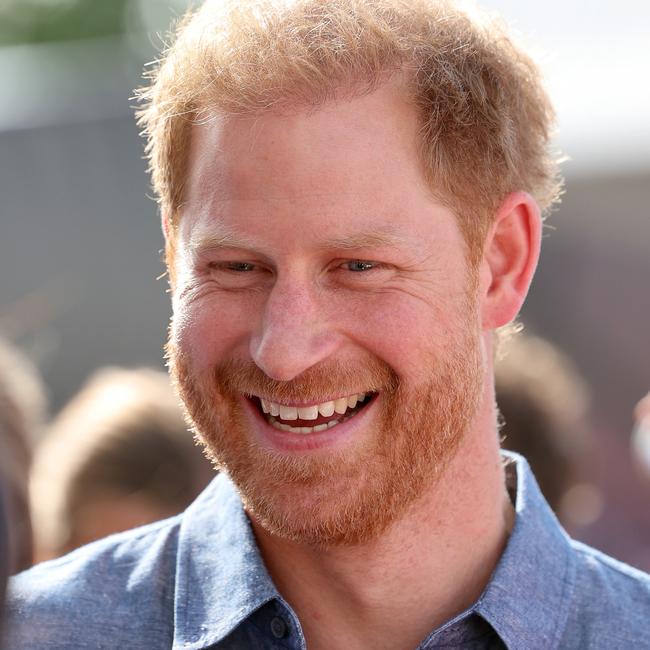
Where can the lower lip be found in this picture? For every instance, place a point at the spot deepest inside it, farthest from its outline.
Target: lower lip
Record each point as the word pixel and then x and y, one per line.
pixel 285 441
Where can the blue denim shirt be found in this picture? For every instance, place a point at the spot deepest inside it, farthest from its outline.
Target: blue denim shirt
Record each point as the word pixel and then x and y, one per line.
pixel 197 581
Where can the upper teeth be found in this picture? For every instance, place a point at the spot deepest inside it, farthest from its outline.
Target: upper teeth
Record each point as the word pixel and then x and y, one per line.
pixel 326 409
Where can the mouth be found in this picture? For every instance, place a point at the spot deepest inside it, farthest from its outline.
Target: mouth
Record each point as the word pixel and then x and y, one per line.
pixel 313 418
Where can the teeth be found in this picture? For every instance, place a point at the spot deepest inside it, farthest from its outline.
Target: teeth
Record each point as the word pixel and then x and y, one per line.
pixel 308 412
pixel 326 409
pixel 285 427
pixel 288 412
pixel 341 405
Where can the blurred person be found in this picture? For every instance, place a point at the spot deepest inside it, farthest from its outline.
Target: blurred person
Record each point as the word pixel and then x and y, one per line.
pixel 117 456
pixel 543 401
pixel 4 557
pixel 23 408
pixel 640 439
pixel 351 195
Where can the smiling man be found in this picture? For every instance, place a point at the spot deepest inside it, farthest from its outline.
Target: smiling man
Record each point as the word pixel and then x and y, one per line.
pixel 326 319
pixel 351 193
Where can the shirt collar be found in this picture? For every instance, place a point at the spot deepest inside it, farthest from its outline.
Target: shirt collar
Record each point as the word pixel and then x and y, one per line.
pixel 527 598
pixel 220 576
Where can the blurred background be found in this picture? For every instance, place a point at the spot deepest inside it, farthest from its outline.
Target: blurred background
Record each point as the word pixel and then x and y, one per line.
pixel 80 239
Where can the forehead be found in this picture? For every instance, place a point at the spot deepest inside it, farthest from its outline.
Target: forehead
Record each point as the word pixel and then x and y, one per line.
pixel 348 165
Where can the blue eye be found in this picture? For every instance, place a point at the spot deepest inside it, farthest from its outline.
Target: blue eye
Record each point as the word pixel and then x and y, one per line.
pixel 359 266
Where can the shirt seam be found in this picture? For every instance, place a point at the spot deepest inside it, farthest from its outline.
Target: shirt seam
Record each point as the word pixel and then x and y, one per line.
pixel 609 563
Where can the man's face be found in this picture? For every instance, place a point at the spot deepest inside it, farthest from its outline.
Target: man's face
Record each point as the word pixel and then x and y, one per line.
pixel 315 270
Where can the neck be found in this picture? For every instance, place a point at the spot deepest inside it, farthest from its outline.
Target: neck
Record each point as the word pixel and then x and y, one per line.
pixel 426 568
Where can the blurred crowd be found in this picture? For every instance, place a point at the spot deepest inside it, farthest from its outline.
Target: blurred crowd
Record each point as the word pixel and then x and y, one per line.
pixel 119 454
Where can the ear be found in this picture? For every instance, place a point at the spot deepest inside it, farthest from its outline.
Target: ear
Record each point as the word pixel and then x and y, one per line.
pixel 509 259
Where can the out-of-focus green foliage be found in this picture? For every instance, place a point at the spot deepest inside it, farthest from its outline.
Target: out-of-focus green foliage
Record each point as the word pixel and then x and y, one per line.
pixel 39 21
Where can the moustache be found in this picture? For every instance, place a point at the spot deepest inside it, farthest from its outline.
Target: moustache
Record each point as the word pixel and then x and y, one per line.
pixel 317 384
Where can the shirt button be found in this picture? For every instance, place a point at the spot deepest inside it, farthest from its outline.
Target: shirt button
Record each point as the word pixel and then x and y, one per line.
pixel 278 628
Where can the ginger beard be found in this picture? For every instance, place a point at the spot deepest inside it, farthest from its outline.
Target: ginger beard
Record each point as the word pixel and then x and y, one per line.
pixel 349 497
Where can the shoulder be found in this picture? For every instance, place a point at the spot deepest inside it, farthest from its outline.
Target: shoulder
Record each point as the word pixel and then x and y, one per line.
pixel 618 586
pixel 100 595
pixel 611 604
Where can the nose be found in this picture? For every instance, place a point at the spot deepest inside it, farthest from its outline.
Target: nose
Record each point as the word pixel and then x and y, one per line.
pixel 295 332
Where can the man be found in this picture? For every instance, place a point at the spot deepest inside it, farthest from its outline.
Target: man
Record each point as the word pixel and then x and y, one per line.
pixel 351 194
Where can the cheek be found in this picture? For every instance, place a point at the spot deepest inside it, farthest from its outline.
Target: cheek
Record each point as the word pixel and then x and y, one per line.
pixel 404 331
pixel 213 328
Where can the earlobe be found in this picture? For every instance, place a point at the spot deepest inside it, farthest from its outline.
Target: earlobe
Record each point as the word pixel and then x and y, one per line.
pixel 509 259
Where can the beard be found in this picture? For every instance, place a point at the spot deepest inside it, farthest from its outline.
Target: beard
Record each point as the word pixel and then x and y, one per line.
pixel 349 496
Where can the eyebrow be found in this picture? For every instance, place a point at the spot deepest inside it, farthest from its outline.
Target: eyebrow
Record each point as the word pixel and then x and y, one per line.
pixel 215 241
pixel 376 239
pixel 226 239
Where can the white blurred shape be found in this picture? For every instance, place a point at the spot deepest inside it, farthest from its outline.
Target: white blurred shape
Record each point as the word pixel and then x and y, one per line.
pixel 640 443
